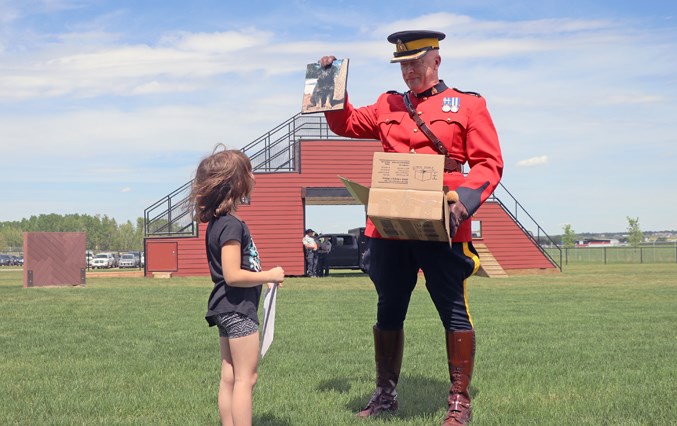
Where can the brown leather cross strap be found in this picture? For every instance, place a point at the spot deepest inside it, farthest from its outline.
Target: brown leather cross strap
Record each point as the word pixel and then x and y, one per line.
pixel 450 165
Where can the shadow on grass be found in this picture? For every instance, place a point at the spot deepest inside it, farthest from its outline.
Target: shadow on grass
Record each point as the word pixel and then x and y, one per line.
pixel 346 273
pixel 269 419
pixel 418 396
pixel 334 385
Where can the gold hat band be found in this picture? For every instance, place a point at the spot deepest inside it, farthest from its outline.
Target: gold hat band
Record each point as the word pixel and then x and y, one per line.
pixel 419 44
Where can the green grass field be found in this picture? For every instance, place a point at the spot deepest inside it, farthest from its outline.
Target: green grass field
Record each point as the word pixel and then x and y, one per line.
pixel 596 345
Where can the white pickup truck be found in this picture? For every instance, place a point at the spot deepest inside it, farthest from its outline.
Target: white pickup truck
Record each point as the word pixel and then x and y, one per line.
pixel 103 260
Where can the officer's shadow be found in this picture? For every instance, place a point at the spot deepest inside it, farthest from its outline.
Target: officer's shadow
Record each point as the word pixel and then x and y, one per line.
pixel 418 396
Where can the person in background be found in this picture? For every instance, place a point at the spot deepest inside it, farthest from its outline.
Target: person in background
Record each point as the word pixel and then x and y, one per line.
pixel 221 181
pixel 461 122
pixel 310 249
pixel 323 250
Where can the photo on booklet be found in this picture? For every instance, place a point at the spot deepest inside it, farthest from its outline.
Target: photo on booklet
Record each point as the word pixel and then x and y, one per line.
pixel 325 88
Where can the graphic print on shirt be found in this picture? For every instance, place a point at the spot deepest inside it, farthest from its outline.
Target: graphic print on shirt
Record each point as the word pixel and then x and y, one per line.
pixel 253 254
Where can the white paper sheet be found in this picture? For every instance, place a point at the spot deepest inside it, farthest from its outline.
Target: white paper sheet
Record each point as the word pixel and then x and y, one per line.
pixel 269 300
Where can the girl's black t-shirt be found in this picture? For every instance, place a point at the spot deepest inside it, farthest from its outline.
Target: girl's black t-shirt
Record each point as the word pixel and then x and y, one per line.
pixel 224 298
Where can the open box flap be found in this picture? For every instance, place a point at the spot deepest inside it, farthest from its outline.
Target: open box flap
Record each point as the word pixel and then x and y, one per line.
pixel 359 192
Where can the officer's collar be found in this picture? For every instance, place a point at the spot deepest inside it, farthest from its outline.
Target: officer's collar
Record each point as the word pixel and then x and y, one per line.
pixel 438 88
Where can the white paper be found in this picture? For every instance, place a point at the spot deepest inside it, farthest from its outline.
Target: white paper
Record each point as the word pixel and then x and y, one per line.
pixel 269 300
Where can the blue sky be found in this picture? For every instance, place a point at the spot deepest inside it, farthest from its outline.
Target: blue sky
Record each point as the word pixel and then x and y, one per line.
pixel 107 106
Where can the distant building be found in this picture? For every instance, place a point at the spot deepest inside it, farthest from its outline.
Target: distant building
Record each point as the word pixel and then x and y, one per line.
pixel 594 242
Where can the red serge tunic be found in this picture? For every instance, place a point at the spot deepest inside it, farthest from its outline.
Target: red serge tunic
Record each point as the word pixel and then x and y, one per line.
pixel 459 119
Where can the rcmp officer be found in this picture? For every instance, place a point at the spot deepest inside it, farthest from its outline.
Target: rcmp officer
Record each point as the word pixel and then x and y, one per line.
pixel 457 125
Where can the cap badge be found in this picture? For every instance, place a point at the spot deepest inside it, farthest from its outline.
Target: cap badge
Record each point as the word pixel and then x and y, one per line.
pixel 401 47
pixel 451 104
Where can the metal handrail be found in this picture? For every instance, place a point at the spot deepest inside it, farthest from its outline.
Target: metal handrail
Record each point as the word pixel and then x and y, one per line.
pixel 277 150
pixel 539 231
pixel 159 217
pixel 274 151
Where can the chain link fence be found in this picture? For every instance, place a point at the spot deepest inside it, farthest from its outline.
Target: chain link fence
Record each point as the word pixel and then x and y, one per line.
pixel 643 254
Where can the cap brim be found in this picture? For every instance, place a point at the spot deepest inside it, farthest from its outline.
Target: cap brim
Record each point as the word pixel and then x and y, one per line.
pixel 411 57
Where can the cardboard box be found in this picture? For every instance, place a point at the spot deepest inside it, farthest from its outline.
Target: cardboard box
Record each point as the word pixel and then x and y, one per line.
pixel 406 200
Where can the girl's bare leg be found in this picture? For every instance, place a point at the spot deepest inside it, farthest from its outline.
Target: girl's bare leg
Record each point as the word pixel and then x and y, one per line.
pixel 244 352
pixel 226 384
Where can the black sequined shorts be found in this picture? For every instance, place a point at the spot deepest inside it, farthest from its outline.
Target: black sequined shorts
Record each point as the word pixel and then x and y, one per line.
pixel 233 325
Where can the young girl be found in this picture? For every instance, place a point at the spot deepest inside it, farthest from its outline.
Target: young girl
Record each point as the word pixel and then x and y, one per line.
pixel 222 180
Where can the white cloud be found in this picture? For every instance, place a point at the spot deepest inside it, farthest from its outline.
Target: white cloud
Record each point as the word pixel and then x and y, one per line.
pixel 182 62
pixel 533 161
pixel 218 42
pixel 631 99
pixel 95 63
pixel 98 105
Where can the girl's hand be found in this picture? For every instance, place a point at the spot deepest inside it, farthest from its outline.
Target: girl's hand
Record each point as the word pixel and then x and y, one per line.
pixel 277 275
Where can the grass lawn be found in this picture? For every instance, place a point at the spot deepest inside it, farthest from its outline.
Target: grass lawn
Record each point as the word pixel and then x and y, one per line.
pixel 596 345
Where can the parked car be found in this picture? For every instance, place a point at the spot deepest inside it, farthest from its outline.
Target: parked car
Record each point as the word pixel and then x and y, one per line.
pixel 5 260
pixel 103 260
pixel 346 250
pixel 129 260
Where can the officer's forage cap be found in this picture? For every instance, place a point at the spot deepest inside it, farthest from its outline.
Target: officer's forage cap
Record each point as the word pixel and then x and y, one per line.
pixel 411 45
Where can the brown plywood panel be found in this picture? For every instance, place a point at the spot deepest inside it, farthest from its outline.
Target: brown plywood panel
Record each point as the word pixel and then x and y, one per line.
pixel 54 258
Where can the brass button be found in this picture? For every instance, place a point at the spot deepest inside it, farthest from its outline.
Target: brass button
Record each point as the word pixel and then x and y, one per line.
pixel 420 112
pixel 415 130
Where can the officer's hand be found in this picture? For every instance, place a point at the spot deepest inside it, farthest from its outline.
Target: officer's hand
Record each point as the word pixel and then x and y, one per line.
pixel 457 213
pixel 326 61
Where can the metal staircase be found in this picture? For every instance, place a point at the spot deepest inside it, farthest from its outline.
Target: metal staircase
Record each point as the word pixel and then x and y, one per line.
pixel 527 224
pixel 274 152
pixel 489 266
pixel 278 151
pixel 170 216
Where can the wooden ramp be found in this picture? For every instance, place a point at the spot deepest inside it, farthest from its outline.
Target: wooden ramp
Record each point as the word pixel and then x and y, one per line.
pixel 489 267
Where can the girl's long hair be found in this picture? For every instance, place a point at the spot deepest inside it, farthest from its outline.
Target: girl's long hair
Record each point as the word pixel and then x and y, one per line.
pixel 222 180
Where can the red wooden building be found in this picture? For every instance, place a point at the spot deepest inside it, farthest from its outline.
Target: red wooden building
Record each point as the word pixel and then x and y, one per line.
pixel 298 164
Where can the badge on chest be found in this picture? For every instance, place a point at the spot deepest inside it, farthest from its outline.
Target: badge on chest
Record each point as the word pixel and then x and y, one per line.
pixel 451 104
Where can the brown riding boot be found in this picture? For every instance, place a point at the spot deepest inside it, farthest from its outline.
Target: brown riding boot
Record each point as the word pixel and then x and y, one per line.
pixel 388 348
pixel 461 357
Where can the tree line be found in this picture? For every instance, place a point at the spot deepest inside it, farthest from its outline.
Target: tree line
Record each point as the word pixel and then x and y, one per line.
pixel 635 234
pixel 103 233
